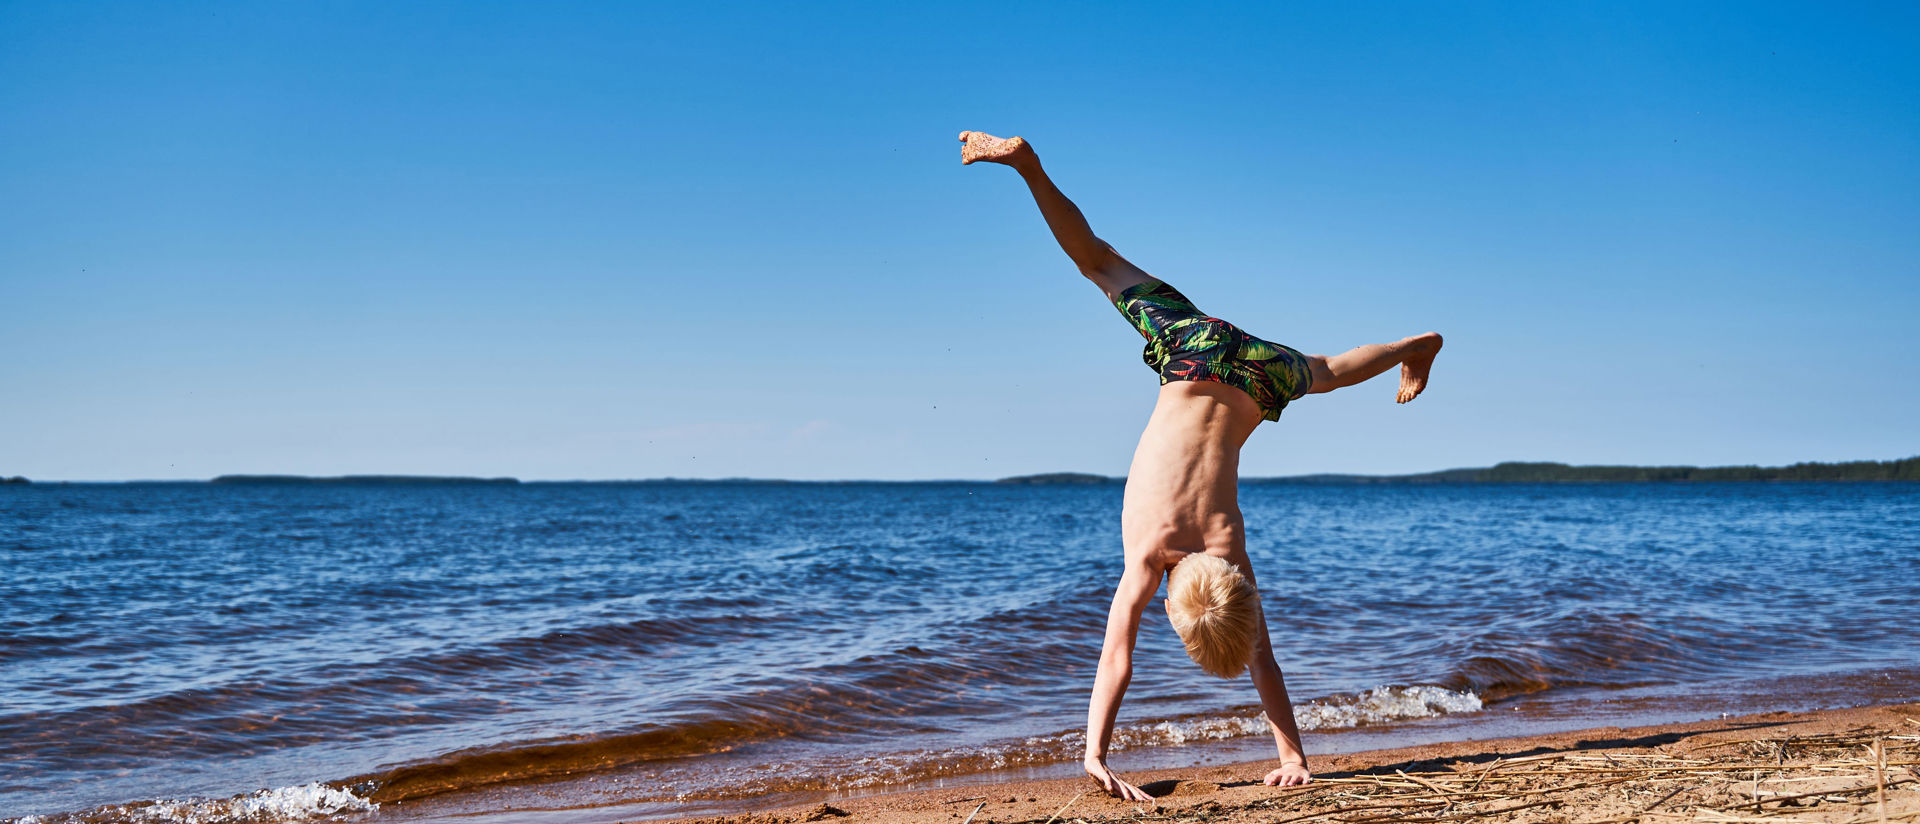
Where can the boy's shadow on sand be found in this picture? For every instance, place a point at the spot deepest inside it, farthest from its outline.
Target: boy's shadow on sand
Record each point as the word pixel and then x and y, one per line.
pixel 1159 789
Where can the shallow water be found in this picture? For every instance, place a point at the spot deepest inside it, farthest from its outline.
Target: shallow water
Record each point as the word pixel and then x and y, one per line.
pixel 689 646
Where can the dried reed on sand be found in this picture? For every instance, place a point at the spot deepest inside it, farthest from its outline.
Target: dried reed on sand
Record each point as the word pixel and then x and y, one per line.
pixel 1860 776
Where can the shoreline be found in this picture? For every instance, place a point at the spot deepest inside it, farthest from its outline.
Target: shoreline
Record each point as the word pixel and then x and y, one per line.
pixel 1817 765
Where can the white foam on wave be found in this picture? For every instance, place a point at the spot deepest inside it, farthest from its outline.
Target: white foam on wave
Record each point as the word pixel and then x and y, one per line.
pixel 1192 729
pixel 308 802
pixel 1382 705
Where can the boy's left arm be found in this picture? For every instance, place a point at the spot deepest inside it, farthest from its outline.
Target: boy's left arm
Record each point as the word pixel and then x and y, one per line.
pixel 1272 685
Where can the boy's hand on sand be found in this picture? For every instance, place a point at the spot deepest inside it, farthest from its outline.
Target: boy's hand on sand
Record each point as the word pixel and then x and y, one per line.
pixel 1109 781
pixel 1289 775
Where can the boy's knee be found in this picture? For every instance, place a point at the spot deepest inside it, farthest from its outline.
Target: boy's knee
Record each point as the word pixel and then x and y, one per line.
pixel 1111 272
pixel 1095 263
pixel 1323 377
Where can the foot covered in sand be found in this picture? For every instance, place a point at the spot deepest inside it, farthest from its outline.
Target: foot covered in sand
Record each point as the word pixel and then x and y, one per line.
pixel 983 146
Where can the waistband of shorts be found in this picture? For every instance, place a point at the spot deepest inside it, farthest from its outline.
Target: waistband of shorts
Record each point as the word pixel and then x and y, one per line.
pixel 1245 378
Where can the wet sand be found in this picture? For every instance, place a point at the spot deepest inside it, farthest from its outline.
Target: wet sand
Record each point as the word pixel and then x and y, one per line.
pixel 1823 766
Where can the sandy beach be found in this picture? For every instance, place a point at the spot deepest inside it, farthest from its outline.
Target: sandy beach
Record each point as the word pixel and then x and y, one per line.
pixel 1840 765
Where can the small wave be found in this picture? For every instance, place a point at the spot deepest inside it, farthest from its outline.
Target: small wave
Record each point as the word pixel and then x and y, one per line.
pixel 665 746
pixel 308 802
pixel 1189 730
pixel 1585 648
pixel 220 719
pixel 1382 705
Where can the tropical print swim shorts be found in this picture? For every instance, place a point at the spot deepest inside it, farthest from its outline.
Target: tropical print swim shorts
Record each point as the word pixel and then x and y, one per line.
pixel 1184 344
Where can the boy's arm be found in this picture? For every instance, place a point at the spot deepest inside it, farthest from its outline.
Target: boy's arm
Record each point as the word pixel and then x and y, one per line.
pixel 1137 586
pixel 1272 685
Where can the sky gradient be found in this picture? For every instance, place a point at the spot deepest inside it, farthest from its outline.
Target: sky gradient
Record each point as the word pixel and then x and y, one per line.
pixel 594 241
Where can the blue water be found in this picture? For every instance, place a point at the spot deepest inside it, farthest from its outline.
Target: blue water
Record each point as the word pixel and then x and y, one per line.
pixel 165 641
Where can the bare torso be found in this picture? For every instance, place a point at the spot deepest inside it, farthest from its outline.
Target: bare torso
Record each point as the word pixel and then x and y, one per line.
pixel 1182 489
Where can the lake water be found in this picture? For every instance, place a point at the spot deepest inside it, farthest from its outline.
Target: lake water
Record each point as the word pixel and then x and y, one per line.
pixel 174 652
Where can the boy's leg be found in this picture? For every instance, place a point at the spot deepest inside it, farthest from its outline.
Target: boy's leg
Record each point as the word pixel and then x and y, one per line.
pixel 1414 356
pixel 1097 260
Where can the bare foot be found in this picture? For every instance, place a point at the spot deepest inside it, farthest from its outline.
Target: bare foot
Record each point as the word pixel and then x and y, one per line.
pixel 983 146
pixel 1413 370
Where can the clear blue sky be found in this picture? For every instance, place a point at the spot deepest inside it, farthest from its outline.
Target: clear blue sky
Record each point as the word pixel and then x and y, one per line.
pixel 619 240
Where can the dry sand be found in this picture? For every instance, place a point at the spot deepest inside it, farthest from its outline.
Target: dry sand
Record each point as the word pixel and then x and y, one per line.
pixel 1822 766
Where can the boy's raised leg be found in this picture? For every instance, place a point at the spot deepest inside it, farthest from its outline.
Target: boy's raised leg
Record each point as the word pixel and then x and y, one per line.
pixel 1094 257
pixel 1414 355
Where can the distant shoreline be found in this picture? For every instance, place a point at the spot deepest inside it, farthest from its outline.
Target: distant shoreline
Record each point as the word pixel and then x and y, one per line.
pixel 1905 469
pixel 359 479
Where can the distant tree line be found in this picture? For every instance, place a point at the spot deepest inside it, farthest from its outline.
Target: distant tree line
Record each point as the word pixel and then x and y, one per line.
pixel 1907 469
pixel 1537 472
pixel 385 480
pixel 1059 478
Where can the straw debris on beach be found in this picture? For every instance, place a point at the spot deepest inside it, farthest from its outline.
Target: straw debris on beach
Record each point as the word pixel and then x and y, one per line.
pixel 1835 767
pixel 1835 777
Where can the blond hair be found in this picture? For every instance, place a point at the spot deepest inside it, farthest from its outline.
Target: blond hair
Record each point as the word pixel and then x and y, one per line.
pixel 1216 610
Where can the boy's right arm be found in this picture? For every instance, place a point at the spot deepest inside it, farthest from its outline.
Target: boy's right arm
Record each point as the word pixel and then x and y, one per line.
pixel 1130 598
pixel 1272 686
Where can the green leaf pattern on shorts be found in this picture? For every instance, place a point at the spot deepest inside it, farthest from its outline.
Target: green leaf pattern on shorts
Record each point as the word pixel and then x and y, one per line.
pixel 1184 343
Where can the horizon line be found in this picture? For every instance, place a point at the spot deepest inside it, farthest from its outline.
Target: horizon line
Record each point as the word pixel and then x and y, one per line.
pixel 428 478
